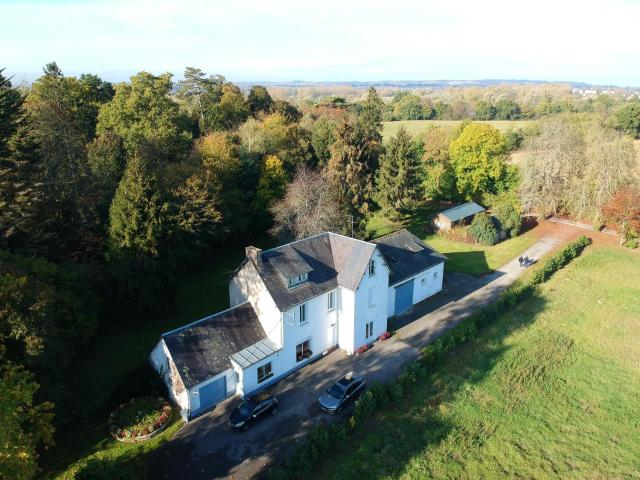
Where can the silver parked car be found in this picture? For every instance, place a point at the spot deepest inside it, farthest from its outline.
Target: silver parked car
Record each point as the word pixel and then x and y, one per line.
pixel 341 393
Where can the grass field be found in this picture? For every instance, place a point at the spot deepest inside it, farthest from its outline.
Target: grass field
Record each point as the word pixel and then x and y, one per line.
pixel 550 390
pixel 465 258
pixel 416 127
pixel 115 364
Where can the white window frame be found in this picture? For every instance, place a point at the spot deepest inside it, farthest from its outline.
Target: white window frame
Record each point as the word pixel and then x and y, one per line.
pixel 423 281
pixel 372 296
pixel 303 314
pixel 297 280
pixel 372 268
pixel 435 275
pixel 368 329
pixel 265 375
pixel 331 301
pixel 301 344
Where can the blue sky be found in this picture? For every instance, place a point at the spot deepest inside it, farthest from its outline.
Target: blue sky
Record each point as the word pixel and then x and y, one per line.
pixel 332 40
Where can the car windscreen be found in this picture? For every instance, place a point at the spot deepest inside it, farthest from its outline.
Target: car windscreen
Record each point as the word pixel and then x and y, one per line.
pixel 246 408
pixel 336 391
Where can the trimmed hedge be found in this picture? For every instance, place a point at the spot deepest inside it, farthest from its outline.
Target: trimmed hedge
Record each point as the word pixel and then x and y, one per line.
pixel 326 438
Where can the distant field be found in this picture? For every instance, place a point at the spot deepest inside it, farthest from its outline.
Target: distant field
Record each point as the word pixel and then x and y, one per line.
pixel 549 390
pixel 416 127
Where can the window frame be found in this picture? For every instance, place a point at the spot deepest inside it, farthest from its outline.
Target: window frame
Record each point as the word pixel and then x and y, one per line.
pixel 372 268
pixel 368 330
pixel 265 375
pixel 303 351
pixel 331 301
pixel 303 314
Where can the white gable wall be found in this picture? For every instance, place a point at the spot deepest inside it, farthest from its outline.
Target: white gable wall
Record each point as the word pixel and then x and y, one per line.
pixel 246 285
pixel 162 363
pixel 346 315
pixel 375 312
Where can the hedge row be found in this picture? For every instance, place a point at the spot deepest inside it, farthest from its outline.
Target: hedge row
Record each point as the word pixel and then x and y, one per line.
pixel 327 438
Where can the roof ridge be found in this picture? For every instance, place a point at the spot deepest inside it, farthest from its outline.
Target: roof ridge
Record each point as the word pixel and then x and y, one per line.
pixel 461 205
pixel 389 234
pixel 296 241
pixel 209 317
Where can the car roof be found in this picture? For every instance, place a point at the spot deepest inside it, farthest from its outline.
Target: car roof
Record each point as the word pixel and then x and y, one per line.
pixel 347 380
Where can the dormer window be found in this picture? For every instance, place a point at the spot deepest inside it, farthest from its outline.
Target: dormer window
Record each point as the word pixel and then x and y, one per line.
pixel 372 267
pixel 297 280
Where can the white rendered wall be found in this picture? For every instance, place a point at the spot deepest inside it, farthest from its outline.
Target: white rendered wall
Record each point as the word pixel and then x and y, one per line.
pixel 248 378
pixel 433 283
pixel 376 313
pixel 346 309
pixel 246 285
pixel 316 329
pixel 161 361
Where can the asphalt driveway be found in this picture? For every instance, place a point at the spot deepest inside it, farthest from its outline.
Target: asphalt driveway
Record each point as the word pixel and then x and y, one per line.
pixel 206 449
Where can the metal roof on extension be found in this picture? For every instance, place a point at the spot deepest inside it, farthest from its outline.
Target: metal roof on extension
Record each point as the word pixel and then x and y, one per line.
pixel 254 353
pixel 462 211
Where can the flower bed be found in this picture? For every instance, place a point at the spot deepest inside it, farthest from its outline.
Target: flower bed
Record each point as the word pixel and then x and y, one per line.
pixel 384 336
pixel 363 349
pixel 139 419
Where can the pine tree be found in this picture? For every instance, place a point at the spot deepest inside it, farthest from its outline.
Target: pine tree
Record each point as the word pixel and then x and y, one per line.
pixel 20 189
pixel 400 176
pixel 136 217
pixel 137 227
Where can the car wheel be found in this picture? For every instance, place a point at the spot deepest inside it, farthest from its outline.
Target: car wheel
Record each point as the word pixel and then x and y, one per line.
pixel 274 410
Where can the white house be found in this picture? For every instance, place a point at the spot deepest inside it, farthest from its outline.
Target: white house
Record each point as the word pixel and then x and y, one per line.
pixel 289 306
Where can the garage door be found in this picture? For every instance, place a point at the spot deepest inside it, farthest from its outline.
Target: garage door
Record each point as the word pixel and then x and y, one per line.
pixel 213 392
pixel 404 297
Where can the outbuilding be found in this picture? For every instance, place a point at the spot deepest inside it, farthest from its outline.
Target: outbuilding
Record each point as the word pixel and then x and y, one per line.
pixel 195 361
pixel 456 216
pixel 416 270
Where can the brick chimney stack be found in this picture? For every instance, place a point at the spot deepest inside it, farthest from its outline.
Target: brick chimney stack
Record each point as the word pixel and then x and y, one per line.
pixel 253 253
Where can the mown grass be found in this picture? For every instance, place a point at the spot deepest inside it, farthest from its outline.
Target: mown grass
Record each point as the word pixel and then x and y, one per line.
pixel 462 257
pixel 417 127
pixel 549 390
pixel 115 367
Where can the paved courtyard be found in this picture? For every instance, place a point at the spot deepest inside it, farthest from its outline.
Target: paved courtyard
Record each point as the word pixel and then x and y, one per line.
pixel 206 449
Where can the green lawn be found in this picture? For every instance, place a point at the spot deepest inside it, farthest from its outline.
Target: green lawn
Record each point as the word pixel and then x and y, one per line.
pixel 550 390
pixel 463 257
pixel 416 127
pixel 115 365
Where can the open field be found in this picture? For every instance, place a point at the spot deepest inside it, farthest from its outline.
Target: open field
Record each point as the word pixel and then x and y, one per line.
pixel 416 127
pixel 115 367
pixel 549 390
pixel 463 257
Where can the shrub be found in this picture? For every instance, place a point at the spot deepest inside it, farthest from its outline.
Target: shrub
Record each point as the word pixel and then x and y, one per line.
pixel 396 391
pixel 559 260
pixel 483 230
pixel 365 405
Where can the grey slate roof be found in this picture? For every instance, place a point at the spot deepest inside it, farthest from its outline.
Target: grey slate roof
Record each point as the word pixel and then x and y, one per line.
pixel 462 211
pixel 254 353
pixel 202 349
pixel 406 255
pixel 334 260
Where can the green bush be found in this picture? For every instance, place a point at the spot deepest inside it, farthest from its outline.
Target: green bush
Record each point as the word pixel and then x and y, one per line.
pixel 396 391
pixel 483 230
pixel 559 260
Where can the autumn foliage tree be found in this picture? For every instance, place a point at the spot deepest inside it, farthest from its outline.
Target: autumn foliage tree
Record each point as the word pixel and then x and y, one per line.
pixel 623 210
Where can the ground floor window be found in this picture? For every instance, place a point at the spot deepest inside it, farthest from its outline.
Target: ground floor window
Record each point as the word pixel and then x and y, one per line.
pixel 303 350
pixel 369 330
pixel 264 372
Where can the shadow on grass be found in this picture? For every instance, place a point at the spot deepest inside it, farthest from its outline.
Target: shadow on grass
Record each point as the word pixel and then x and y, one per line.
pixel 473 262
pixel 385 446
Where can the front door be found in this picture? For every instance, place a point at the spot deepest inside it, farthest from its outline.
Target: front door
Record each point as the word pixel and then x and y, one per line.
pixel 404 297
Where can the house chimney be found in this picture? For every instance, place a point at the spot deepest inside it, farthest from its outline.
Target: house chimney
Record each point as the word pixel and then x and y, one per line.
pixel 253 253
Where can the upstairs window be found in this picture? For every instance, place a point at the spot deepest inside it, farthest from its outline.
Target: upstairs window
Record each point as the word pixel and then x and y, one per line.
pixel 302 311
pixel 372 267
pixel 331 301
pixel 297 280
